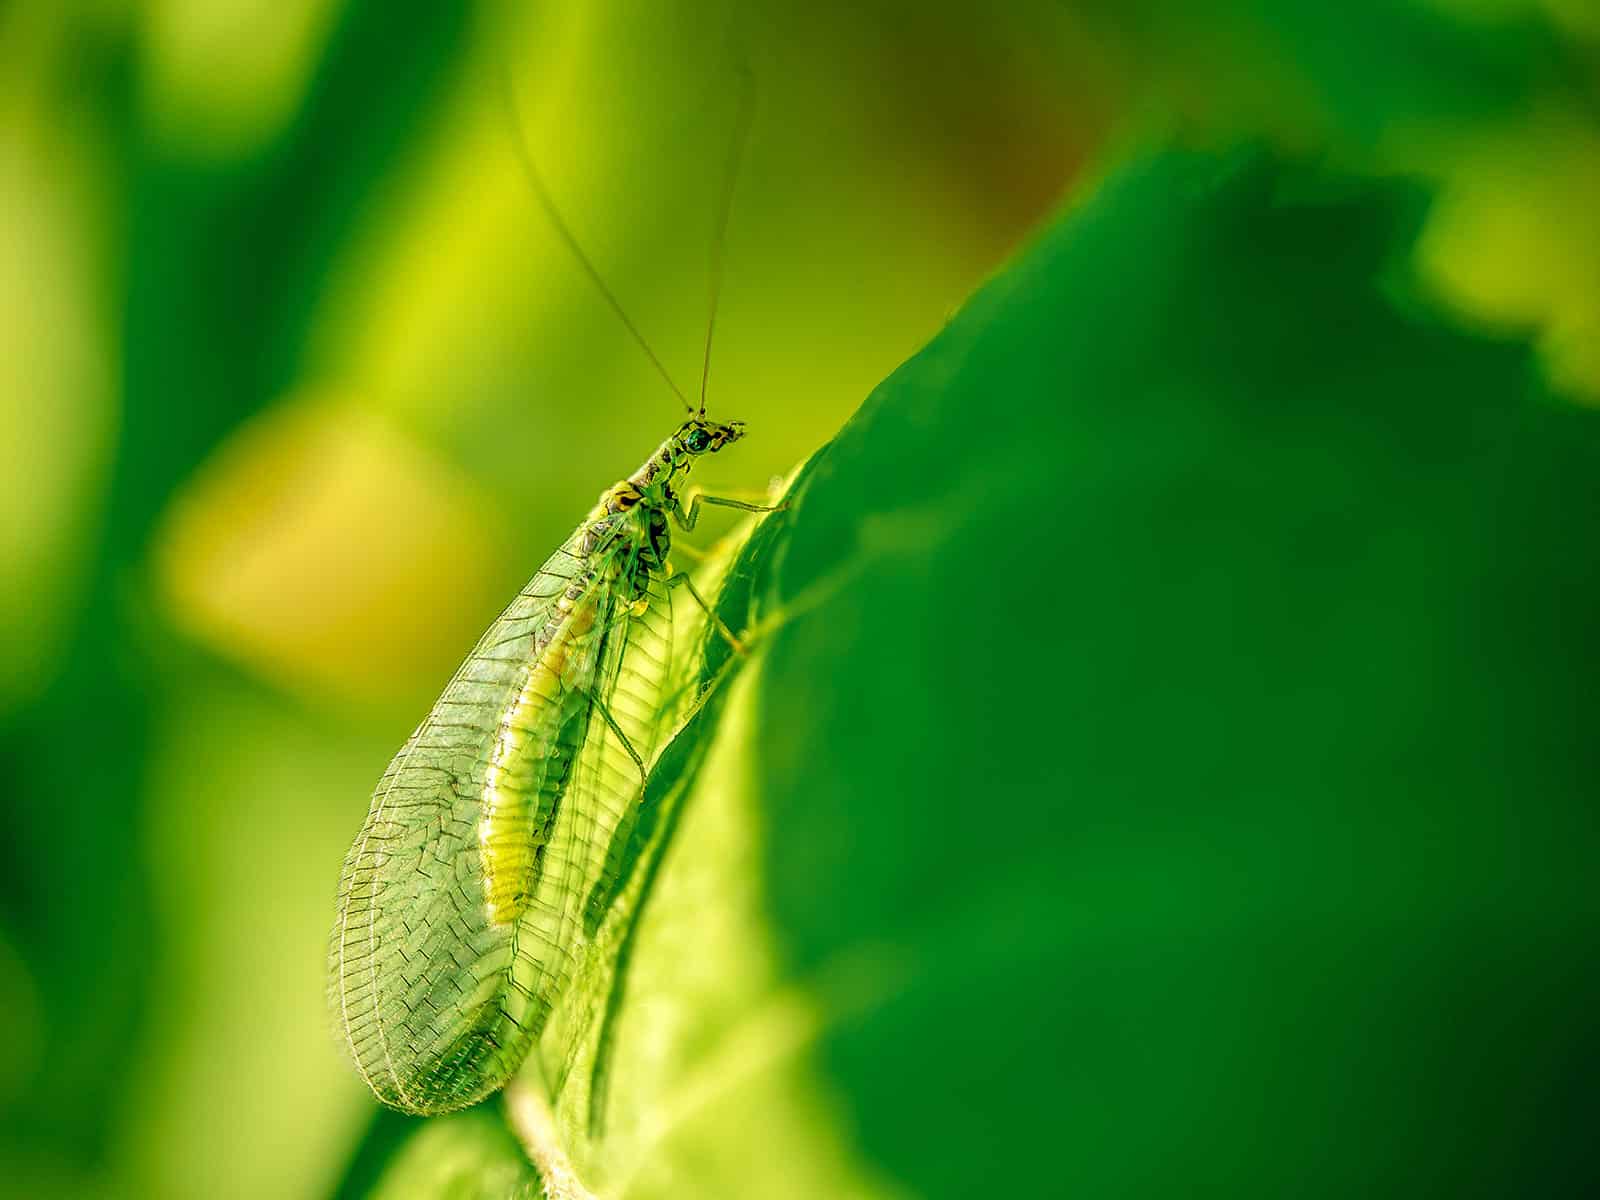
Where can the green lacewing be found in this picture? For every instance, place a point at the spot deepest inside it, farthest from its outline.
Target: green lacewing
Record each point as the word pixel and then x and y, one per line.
pixel 461 901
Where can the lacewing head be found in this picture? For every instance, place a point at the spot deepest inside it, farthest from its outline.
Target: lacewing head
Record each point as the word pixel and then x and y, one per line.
pixel 698 436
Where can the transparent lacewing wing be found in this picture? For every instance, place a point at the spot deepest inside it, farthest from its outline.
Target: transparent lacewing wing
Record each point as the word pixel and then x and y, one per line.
pixel 461 902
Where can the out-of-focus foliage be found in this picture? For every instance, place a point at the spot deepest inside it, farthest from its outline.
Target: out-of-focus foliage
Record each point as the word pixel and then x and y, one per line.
pixel 1179 775
pixel 465 1156
pixel 1193 746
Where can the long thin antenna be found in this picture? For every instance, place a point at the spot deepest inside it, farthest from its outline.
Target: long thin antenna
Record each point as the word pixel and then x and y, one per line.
pixel 547 202
pixel 730 179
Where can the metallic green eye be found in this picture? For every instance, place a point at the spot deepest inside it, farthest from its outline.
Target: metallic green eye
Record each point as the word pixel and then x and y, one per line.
pixel 697 441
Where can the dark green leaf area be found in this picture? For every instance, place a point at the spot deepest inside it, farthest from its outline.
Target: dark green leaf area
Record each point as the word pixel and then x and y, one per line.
pixel 1181 785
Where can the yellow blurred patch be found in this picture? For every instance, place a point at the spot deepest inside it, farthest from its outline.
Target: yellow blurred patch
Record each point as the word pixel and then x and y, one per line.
pixel 332 555
pixel 58 356
pixel 223 76
pixel 434 294
pixel 1514 240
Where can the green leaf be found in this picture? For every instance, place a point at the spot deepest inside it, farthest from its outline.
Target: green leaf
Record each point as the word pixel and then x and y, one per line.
pixel 465 1156
pixel 1164 768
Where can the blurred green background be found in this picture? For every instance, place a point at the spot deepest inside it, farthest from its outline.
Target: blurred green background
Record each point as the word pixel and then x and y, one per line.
pixel 296 387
